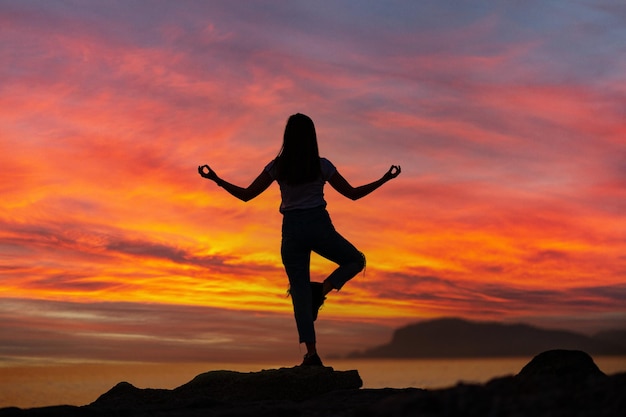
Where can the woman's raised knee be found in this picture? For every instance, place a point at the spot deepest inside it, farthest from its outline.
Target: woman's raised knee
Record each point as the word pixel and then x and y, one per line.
pixel 362 261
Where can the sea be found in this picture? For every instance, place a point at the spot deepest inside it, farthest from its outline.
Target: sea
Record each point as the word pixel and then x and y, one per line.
pixel 29 386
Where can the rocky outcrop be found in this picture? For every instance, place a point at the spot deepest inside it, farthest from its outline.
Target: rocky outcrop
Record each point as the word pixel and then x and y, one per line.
pixel 216 387
pixel 555 383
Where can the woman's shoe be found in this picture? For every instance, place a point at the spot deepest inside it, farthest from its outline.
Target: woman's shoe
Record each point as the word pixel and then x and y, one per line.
pixel 312 360
pixel 317 297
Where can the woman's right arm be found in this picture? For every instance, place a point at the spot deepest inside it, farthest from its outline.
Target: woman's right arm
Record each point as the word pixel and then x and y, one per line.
pixel 343 187
pixel 260 184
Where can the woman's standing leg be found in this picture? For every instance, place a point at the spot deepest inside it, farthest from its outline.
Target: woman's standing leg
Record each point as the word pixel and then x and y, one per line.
pixel 296 256
pixel 296 260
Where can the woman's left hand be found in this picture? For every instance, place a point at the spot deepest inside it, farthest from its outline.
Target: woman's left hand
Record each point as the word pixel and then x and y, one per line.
pixel 206 172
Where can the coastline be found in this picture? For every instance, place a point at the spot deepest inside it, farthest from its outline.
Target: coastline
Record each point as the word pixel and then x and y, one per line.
pixel 565 378
pixel 45 384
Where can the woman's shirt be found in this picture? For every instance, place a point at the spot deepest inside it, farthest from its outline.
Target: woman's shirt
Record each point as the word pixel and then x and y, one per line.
pixel 303 196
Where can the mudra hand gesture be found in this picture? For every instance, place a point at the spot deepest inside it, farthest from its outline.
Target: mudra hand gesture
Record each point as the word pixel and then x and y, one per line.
pixel 393 172
pixel 206 172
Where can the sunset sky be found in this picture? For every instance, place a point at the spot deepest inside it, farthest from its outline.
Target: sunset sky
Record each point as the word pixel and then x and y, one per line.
pixel 508 119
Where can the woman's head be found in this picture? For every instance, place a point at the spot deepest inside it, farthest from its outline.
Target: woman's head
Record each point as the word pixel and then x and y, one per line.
pixel 298 160
pixel 300 136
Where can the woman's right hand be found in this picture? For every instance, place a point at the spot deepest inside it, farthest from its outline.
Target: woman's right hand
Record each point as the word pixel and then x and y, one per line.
pixel 393 172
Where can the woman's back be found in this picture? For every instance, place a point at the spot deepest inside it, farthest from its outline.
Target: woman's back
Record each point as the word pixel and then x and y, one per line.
pixel 305 195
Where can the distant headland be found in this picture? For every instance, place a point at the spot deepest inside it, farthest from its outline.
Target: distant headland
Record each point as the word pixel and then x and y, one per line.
pixel 458 338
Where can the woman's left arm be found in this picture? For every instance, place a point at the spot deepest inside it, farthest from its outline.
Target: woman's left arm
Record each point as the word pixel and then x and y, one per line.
pixel 260 184
pixel 343 187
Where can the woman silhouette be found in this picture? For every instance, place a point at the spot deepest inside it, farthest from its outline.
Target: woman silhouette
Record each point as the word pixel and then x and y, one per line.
pixel 301 175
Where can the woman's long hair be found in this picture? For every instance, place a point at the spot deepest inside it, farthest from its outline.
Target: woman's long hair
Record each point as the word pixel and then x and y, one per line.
pixel 298 161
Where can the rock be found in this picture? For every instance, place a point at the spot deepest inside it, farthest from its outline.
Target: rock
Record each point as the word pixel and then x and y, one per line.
pixel 296 383
pixel 216 387
pixel 125 396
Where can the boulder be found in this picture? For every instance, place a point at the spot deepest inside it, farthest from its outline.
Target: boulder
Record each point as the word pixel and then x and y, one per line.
pixel 561 364
pixel 559 383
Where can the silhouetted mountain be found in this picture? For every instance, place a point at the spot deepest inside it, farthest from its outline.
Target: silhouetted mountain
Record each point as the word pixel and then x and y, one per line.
pixel 617 337
pixel 452 337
